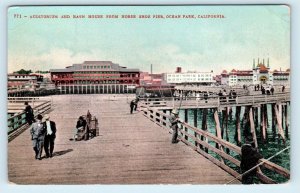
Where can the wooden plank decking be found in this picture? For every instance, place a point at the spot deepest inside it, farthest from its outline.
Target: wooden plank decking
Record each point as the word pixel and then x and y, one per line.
pixel 130 150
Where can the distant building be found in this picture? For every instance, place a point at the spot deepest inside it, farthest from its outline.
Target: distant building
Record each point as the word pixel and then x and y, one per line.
pixel 23 81
pixel 189 77
pixel 224 78
pixel 218 79
pixel 260 74
pixel 281 77
pixel 152 79
pixel 95 77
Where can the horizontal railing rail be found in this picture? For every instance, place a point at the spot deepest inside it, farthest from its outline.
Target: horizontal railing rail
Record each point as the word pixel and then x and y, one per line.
pixel 22 99
pixel 217 101
pixel 19 119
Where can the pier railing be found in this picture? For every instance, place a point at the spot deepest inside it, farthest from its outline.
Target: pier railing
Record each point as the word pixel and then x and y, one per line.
pixel 18 121
pixel 221 152
pixel 215 101
pixel 240 89
pixel 197 88
pixel 22 99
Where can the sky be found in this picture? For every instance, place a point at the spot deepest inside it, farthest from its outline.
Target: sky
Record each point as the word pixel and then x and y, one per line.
pixel 195 44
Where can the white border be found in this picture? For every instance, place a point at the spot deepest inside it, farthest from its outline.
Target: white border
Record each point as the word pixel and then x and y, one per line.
pixel 290 187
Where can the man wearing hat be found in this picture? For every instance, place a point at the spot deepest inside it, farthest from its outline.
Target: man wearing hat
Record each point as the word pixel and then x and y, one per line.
pixel 37 132
pixel 50 128
pixel 174 124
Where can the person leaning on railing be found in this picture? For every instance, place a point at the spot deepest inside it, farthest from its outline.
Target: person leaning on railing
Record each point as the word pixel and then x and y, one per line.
pixel 29 116
pixel 174 120
pixel 249 159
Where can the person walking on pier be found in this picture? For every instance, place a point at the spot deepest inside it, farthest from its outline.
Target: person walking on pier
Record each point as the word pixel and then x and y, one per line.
pixel 136 103
pixel 174 120
pixel 272 90
pixel 283 88
pixel 225 98
pixel 132 104
pixel 234 94
pixel 249 159
pixel 263 91
pixel 50 128
pixel 29 113
pixel 220 94
pixel 205 96
pixel 37 132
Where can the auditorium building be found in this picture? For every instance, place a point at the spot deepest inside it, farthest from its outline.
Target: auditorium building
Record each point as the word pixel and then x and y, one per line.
pixel 95 77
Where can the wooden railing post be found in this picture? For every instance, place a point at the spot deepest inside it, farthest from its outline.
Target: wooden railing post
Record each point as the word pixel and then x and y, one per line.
pixel 218 129
pixel 195 125
pixel 186 121
pixel 253 132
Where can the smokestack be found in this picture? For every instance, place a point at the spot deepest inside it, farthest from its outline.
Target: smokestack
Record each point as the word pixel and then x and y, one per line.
pixel 151 69
pixel 178 70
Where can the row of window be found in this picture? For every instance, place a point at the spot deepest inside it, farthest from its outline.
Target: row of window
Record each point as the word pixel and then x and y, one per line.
pixel 280 78
pixel 29 77
pixel 245 77
pixel 95 77
pixel 97 67
pixel 245 80
pixel 188 79
pixel 95 72
pixel 100 82
pixel 189 75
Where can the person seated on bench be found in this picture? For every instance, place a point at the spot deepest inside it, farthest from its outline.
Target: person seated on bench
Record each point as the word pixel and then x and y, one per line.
pixel 80 126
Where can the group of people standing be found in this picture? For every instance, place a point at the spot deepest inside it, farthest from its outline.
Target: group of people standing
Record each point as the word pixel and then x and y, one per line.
pixel 267 91
pixel 223 95
pixel 43 133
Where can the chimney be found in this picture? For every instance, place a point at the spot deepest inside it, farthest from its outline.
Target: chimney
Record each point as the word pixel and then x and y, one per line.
pixel 178 70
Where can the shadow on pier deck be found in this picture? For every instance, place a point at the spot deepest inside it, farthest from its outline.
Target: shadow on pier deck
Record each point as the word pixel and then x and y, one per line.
pixel 130 150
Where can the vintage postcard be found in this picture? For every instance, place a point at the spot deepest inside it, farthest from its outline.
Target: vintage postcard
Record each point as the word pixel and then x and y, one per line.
pixel 195 94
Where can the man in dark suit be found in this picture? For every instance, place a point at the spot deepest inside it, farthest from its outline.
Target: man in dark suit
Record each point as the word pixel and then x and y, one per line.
pixel 50 128
pixel 29 113
pixel 37 132
pixel 249 159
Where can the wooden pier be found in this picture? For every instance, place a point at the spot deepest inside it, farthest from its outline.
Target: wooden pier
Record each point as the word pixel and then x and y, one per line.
pixel 208 144
pixel 131 149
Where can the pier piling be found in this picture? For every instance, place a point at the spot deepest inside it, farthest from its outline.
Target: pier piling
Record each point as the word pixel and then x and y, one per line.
pixel 238 126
